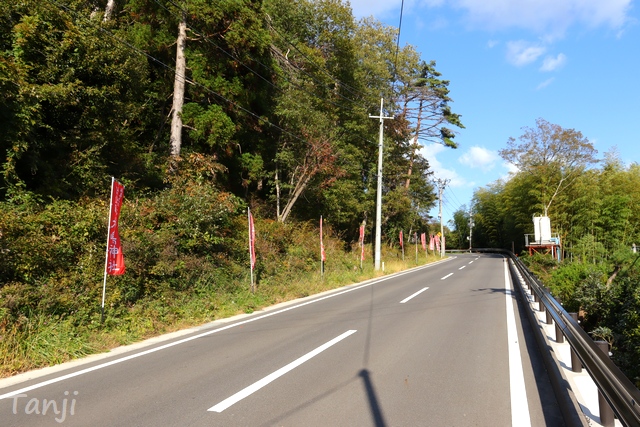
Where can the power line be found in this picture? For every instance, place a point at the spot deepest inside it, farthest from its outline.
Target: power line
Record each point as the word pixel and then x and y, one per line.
pixel 321 68
pixel 395 65
pixel 201 34
pixel 266 67
pixel 235 58
pixel 232 103
pixel 168 67
pixel 457 201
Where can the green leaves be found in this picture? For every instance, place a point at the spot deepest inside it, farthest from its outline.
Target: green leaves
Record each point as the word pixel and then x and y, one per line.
pixel 210 125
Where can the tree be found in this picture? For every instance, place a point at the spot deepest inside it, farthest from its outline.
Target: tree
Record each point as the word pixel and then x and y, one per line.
pixel 310 158
pixel 489 219
pixel 307 104
pixel 460 224
pixel 424 101
pixel 76 105
pixel 555 156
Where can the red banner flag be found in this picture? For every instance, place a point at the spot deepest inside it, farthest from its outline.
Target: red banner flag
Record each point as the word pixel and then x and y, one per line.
pixel 115 258
pixel 252 241
pixel 431 244
pixel 362 243
pixel 437 239
pixel 322 254
pixel 401 240
pixel 423 238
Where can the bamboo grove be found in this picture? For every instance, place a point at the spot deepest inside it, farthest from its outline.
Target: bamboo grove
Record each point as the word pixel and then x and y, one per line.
pixel 594 207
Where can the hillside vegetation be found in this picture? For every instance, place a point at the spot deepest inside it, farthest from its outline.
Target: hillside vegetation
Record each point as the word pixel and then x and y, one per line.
pixel 202 110
pixel 187 263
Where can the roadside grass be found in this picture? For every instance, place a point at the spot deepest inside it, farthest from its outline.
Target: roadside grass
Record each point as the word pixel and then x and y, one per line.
pixel 186 262
pixel 44 340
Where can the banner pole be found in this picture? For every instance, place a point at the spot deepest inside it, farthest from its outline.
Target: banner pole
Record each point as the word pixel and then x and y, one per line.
pixel 321 252
pixel 362 229
pixel 106 256
pixel 250 248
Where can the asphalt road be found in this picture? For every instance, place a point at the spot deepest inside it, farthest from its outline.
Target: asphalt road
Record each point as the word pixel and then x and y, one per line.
pixel 434 346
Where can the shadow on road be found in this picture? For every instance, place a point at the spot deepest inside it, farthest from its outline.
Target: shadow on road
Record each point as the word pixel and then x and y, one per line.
pixel 376 411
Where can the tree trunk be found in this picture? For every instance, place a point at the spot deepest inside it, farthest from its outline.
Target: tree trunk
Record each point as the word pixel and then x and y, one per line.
pixel 414 147
pixel 178 90
pixel 301 185
pixel 611 278
pixel 109 10
pixel 411 159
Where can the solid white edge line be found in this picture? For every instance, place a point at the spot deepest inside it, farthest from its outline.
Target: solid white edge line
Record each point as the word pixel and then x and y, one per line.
pixel 447 276
pixel 204 334
pixel 519 405
pixel 247 391
pixel 413 295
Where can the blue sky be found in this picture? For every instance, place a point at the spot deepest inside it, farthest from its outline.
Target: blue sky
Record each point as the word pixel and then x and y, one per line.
pixel 575 63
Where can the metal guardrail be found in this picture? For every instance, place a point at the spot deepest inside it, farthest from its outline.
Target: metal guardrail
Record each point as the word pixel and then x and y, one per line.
pixel 621 394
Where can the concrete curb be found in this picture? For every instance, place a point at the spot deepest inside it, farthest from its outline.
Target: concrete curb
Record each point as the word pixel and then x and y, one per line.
pixel 569 406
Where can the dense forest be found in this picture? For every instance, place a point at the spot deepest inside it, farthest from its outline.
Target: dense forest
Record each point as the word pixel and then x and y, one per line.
pixel 594 208
pixel 202 110
pixel 275 97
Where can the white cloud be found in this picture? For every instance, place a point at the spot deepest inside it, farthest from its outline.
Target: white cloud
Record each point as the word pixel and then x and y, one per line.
pixel 430 152
pixel 510 167
pixel 553 63
pixel 492 43
pixel 520 53
pixel 480 158
pixel 511 171
pixel 545 16
pixel 545 83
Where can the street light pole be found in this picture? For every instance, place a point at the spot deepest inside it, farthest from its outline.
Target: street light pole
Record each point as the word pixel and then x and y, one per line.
pixel 379 190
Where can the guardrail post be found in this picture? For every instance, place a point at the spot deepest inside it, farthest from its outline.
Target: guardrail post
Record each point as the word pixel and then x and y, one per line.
pixel 541 307
pixel 576 364
pixel 549 318
pixel 607 418
pixel 559 334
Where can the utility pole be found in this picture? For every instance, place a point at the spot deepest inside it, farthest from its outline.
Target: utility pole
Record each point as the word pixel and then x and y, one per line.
pixel 442 183
pixel 379 191
pixel 471 224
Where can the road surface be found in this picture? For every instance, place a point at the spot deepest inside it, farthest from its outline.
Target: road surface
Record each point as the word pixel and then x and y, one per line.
pixel 441 345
